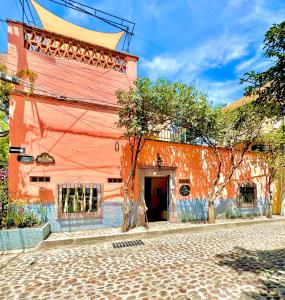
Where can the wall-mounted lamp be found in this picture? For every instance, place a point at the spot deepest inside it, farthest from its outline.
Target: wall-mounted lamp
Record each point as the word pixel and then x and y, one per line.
pixel 159 161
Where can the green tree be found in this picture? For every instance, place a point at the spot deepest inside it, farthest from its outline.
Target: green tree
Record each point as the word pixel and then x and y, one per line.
pixel 268 87
pixel 148 108
pixel 142 114
pixel 223 129
pixel 5 90
pixel 4 140
pixel 273 155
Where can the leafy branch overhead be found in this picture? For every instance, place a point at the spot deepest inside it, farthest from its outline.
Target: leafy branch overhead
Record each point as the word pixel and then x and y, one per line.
pixel 5 90
pixel 268 87
pixel 144 107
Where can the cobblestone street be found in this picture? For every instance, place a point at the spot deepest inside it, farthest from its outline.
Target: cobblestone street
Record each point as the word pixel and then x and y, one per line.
pixel 242 263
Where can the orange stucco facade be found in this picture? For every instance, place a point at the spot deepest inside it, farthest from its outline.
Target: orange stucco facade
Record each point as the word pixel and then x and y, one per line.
pixel 71 115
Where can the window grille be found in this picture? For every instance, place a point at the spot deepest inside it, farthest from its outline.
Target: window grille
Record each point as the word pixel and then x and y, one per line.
pixel 79 201
pixel 260 147
pixel 247 195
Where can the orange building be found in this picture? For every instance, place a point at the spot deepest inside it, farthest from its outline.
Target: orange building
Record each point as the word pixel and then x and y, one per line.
pixel 74 158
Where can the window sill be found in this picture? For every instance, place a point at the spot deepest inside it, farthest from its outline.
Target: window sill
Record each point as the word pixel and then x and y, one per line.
pixel 80 215
pixel 247 206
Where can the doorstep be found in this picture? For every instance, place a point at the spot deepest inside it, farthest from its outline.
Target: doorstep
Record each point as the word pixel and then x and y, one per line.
pixel 62 239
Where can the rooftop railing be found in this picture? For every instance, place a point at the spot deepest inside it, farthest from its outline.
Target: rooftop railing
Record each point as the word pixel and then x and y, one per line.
pixel 53 44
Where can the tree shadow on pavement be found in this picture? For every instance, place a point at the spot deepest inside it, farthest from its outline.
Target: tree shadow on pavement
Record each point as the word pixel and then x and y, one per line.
pixel 267 265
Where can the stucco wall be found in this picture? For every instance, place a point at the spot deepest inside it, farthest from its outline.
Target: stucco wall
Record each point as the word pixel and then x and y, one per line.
pixel 89 148
pixel 67 77
pixel 81 139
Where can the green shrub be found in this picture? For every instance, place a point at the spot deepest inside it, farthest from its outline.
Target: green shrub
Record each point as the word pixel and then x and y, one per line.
pixel 21 215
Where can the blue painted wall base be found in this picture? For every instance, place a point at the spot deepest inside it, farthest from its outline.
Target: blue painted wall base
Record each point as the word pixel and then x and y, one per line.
pixel 197 209
pixel 112 217
pixel 187 210
pixel 22 238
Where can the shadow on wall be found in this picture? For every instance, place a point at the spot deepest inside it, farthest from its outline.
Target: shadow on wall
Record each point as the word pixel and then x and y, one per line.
pixel 199 166
pixel 192 210
pixel 197 209
pixel 112 217
pixel 229 208
pixel 268 263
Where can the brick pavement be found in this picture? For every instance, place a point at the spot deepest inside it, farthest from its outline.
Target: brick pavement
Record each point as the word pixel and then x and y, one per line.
pixel 241 263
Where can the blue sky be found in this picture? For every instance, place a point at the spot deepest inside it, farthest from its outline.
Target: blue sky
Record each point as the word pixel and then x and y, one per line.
pixel 210 43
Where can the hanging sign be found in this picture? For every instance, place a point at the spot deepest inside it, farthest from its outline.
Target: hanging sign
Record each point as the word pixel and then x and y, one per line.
pixel 184 190
pixel 45 159
pixel 17 150
pixel 25 158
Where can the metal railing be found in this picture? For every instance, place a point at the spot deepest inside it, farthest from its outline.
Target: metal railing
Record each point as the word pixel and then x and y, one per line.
pixel 175 135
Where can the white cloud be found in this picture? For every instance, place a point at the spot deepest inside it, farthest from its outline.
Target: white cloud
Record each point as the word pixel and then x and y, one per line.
pixel 154 9
pixel 221 92
pixel 256 63
pixel 162 65
pixel 192 62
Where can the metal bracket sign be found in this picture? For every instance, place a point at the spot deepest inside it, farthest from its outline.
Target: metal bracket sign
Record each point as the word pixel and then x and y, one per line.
pixel 20 150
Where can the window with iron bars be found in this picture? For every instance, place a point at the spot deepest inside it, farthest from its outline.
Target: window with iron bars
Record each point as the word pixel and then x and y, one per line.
pixel 247 195
pixel 79 201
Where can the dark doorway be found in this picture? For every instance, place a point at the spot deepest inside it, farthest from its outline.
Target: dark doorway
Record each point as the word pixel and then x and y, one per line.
pixel 156 198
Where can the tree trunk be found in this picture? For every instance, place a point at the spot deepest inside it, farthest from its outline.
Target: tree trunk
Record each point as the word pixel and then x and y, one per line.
pixel 125 221
pixel 269 211
pixel 270 200
pixel 211 211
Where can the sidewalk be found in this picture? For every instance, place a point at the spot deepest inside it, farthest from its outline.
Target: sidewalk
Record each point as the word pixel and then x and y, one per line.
pixel 61 239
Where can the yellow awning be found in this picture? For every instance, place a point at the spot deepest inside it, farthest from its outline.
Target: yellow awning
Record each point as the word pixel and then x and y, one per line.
pixel 55 24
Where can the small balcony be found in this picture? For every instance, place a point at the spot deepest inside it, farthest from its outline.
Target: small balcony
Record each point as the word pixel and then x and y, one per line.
pixel 174 135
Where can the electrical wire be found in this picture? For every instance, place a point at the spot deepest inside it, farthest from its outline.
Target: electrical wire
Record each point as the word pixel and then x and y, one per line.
pixel 66 62
pixel 85 87
pixel 87 122
pixel 28 4
pixel 22 2
pixel 18 8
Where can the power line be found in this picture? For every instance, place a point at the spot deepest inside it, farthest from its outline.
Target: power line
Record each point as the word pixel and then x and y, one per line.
pixel 91 69
pixel 60 80
pixel 28 4
pixel 22 82
pixel 115 21
pixel 79 74
pixel 17 7
pixel 22 2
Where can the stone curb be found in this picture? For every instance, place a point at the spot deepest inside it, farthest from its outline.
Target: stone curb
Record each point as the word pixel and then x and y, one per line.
pixel 48 244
